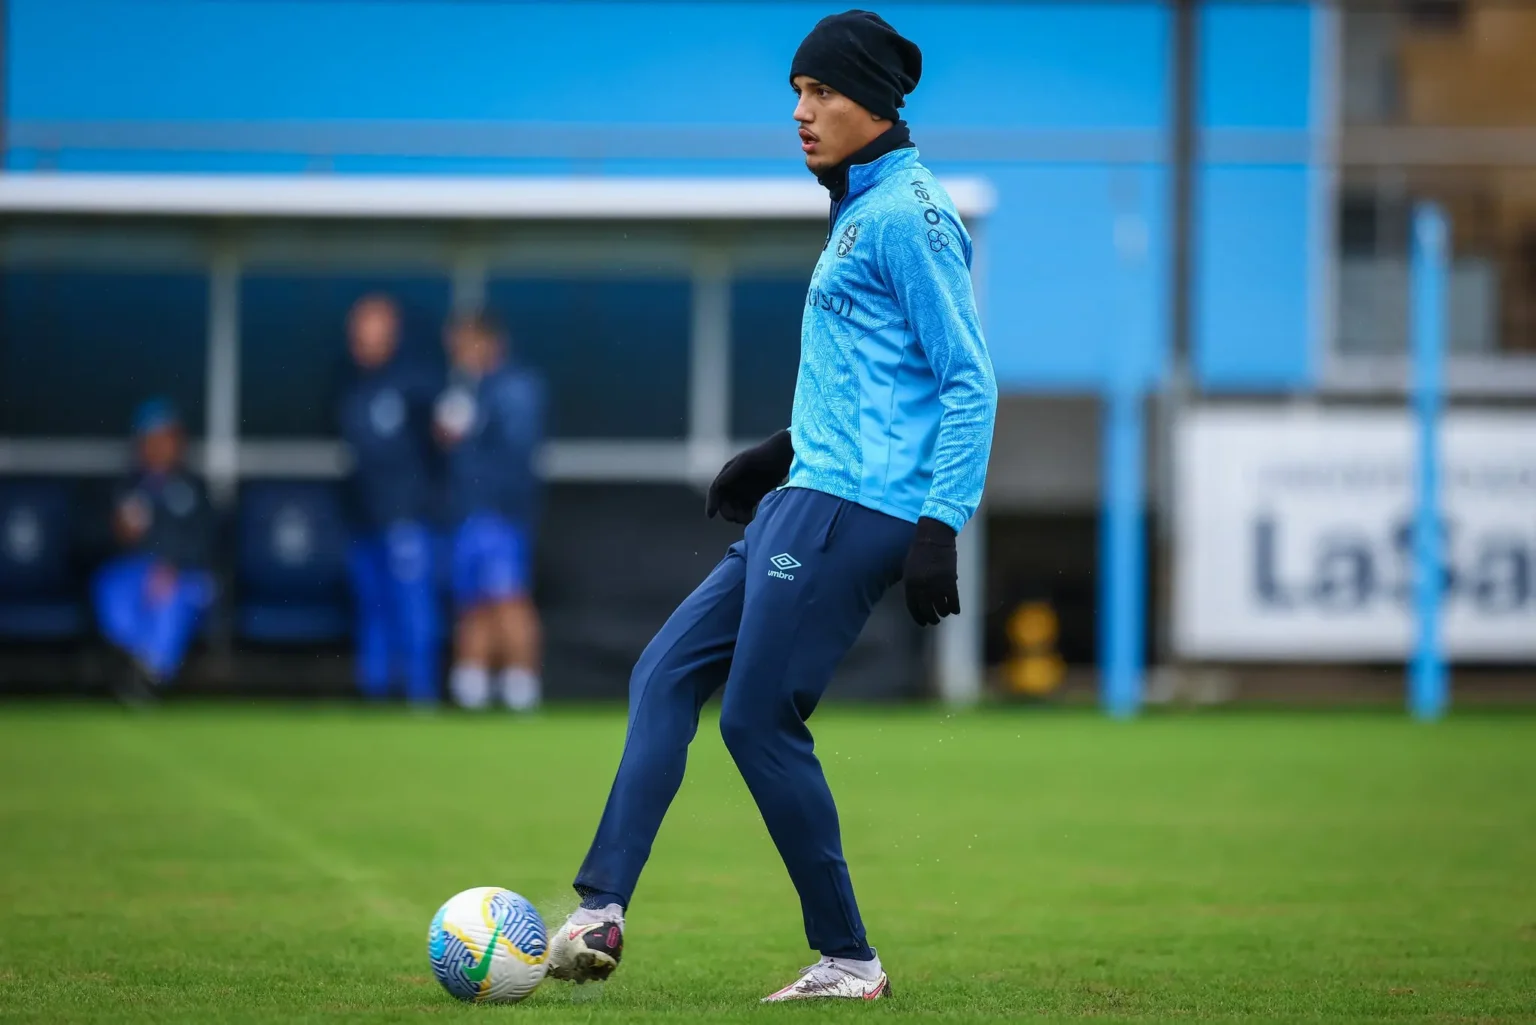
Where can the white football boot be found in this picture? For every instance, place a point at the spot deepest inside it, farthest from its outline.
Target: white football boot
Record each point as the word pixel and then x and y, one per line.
pixel 587 948
pixel 836 978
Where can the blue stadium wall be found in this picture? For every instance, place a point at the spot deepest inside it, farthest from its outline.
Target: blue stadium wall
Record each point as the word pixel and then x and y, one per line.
pixel 1064 107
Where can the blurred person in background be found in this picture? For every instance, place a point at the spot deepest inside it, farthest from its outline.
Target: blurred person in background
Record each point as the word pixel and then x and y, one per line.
pixel 881 466
pixel 490 421
pixel 150 600
pixel 385 414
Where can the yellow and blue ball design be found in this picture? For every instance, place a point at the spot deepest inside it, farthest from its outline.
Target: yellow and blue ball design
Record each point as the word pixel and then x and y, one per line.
pixel 488 945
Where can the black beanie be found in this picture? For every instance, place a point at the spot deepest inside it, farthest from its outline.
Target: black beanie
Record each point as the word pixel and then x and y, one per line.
pixel 861 56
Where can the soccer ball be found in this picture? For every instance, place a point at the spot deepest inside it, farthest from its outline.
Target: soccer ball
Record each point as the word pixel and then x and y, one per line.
pixel 488 945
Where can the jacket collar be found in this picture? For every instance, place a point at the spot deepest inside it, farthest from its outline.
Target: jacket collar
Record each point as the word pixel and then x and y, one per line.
pixel 890 151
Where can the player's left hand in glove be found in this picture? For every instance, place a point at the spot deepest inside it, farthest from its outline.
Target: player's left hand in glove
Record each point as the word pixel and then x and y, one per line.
pixel 933 590
pixel 743 481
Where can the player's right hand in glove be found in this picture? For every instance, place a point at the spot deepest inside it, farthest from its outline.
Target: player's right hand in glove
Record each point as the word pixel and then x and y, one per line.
pixel 743 481
pixel 933 583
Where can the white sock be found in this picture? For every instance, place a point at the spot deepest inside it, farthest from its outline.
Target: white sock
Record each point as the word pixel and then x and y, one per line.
pixel 470 686
pixel 591 916
pixel 519 688
pixel 869 971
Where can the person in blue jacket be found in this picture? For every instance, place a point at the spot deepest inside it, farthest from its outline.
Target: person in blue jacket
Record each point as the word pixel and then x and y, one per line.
pixel 881 466
pixel 385 418
pixel 490 421
pixel 150 600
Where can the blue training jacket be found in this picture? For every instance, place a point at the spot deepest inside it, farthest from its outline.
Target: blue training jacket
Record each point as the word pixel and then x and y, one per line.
pixel 493 469
pixel 174 510
pixel 385 417
pixel 895 398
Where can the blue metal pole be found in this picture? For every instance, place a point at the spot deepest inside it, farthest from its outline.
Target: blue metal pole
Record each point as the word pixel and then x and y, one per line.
pixel 1122 543
pixel 1121 556
pixel 1427 676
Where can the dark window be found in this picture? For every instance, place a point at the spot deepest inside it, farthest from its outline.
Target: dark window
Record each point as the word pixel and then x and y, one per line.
pixel 1372 226
pixel 80 349
pixel 613 353
pixel 1442 15
pixel 765 353
pixel 293 344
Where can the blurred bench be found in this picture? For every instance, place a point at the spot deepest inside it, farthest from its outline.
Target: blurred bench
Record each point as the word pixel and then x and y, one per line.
pixel 291 583
pixel 42 589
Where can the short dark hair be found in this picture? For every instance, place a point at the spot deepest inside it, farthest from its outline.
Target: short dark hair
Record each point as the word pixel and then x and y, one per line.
pixel 375 300
pixel 481 321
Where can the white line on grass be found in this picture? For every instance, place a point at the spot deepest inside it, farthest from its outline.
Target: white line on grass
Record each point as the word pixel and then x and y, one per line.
pixel 363 884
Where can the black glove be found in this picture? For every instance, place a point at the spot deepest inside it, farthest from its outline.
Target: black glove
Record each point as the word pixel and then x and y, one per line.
pixel 932 582
pixel 742 482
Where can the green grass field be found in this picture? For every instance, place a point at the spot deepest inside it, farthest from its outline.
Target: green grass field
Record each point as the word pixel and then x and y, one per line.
pixel 201 864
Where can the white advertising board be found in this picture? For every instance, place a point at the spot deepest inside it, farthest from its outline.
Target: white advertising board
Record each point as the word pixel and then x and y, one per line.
pixel 1293 534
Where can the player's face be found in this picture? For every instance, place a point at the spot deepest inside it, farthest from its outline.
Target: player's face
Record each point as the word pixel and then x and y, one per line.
pixel 373 333
pixel 160 449
pixel 831 125
pixel 473 350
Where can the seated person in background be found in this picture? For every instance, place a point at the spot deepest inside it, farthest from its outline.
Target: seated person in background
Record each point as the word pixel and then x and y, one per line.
pixel 150 600
pixel 491 421
pixel 385 412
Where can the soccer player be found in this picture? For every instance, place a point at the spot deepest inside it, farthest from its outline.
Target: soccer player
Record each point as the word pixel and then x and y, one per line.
pixel 885 459
pixel 150 600
pixel 385 414
pixel 491 421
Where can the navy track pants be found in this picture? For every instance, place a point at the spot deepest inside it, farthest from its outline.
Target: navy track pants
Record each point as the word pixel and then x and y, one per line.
pixel 770 623
pixel 156 630
pixel 398 628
